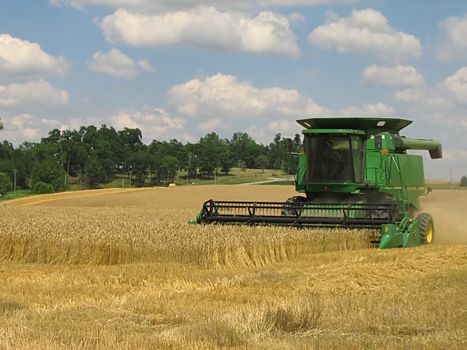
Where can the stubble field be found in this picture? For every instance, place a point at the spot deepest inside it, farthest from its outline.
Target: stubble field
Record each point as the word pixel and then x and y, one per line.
pixel 123 269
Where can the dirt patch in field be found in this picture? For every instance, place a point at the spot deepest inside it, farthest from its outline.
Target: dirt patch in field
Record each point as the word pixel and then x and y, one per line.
pixel 449 211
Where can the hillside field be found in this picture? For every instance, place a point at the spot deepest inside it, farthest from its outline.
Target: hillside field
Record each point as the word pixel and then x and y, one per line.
pixel 123 269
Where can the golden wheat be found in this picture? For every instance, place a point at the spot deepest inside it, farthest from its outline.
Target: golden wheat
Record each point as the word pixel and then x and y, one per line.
pixel 124 270
pixel 127 235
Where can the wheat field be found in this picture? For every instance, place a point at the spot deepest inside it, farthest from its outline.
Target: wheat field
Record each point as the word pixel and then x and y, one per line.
pixel 123 269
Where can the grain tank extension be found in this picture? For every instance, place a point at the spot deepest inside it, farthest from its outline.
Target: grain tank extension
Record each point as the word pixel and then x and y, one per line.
pixel 354 172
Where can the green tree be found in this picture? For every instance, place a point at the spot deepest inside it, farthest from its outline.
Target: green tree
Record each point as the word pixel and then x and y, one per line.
pixel 464 181
pixel 50 172
pixel 244 148
pixel 94 172
pixel 75 152
pixel 280 153
pixel 42 188
pixel 242 165
pixel 14 161
pixel 226 161
pixel 5 184
pixel 169 166
pixel 140 162
pixel 262 161
pixel 211 148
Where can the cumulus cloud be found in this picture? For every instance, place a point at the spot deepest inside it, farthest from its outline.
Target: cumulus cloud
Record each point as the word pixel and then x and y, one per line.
pixel 24 58
pixel 222 94
pixel 286 127
pixel 365 32
pixel 31 128
pixel 453 43
pixel 212 124
pixel 259 134
pixel 146 66
pixel 393 76
pixel 117 64
pixel 155 123
pixel 426 98
pixel 456 84
pixel 441 105
pixel 37 93
pixel 267 33
pixel 448 96
pixel 162 5
pixel 376 109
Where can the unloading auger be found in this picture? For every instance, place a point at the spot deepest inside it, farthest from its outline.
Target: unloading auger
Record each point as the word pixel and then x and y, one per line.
pixel 354 173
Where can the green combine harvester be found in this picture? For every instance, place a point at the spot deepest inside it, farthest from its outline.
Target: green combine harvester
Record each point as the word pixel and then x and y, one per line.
pixel 354 173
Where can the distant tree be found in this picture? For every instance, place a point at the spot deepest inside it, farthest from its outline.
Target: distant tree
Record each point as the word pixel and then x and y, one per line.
pixel 262 161
pixel 464 181
pixel 226 161
pixel 297 142
pixel 280 153
pixel 75 152
pixel 211 149
pixel 42 188
pixel 94 172
pixel 192 163
pixel 14 160
pixel 168 168
pixel 244 148
pixel 5 184
pixel 50 172
pixel 140 162
pixel 242 165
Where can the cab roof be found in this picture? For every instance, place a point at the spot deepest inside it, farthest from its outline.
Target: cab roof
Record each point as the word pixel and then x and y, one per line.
pixel 355 123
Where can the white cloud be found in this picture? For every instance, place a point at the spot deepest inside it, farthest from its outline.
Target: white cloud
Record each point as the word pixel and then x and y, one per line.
pixel 24 58
pixel 442 105
pixel 296 18
pixel 31 94
pixel 162 5
pixel 376 109
pixel 453 44
pixel 225 95
pixel 146 66
pixel 212 124
pixel 259 134
pixel 155 124
pixel 203 27
pixel 28 127
pixel 286 127
pixel 365 32
pixel 449 96
pixel 426 98
pixel 117 64
pixel 393 76
pixel 456 84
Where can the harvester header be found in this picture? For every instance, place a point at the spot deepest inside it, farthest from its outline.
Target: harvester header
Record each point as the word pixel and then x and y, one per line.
pixel 354 172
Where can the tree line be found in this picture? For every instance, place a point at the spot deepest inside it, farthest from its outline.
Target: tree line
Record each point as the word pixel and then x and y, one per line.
pixel 94 156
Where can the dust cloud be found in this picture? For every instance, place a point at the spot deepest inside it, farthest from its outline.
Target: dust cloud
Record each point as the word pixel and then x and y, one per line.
pixel 449 211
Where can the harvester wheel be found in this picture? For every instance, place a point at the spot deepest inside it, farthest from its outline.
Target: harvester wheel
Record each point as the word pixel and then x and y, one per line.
pixel 287 211
pixel 427 228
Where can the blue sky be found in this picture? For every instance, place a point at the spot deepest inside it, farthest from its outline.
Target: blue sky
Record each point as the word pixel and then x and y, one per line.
pixel 182 68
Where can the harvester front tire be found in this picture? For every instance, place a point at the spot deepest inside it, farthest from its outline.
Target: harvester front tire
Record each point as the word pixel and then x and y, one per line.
pixel 427 228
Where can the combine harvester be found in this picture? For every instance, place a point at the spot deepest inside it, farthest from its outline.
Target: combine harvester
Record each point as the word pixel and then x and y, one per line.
pixel 354 173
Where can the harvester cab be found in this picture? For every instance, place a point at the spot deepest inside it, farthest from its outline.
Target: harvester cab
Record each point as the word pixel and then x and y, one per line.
pixel 354 172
